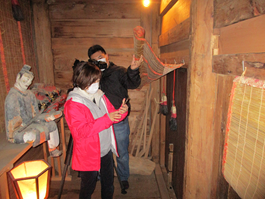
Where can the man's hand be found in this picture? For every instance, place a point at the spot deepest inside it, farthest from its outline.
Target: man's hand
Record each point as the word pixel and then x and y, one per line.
pixel 136 63
pixel 123 107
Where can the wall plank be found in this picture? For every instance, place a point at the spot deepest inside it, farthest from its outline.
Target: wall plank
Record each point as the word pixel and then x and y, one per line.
pixel 112 43
pixel 94 10
pixel 177 14
pixel 65 59
pixel 243 37
pixel 176 52
pixel 177 56
pixel 87 28
pixel 178 33
pixel 120 50
pixel 232 11
pixel 232 65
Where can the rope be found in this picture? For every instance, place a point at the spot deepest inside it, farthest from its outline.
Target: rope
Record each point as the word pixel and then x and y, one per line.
pixel 3 60
pixel 174 89
pixel 21 43
pixel 163 85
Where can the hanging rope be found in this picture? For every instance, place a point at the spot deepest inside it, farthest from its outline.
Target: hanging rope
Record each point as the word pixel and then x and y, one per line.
pixel 163 103
pixel 174 89
pixel 173 122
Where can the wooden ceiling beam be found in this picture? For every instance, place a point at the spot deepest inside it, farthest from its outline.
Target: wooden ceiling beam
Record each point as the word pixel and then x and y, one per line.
pixel 168 7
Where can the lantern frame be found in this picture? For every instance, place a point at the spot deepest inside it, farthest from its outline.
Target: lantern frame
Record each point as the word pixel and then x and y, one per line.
pixel 15 181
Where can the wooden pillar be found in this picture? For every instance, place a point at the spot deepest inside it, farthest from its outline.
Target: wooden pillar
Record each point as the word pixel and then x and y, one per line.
pixel 155 84
pixel 150 22
pixel 201 104
pixel 43 41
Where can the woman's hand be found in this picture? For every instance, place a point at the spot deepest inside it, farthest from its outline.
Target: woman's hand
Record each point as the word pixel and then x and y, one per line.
pixel 124 107
pixel 136 63
pixel 115 116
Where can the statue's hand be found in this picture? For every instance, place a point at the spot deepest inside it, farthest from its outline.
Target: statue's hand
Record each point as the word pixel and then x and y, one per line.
pixel 29 136
pixel 53 115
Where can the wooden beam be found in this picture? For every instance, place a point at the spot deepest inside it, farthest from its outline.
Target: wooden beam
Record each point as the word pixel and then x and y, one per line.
pixel 42 33
pixel 162 124
pixel 176 52
pixel 201 103
pixel 232 65
pixel 224 86
pixel 243 37
pixel 156 28
pixel 178 33
pixel 168 7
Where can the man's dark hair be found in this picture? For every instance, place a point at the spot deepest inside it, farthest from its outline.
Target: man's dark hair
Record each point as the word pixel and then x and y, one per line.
pixel 94 49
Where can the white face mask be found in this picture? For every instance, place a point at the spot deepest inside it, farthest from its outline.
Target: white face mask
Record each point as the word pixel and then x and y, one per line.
pixel 102 60
pixel 93 88
pixel 102 67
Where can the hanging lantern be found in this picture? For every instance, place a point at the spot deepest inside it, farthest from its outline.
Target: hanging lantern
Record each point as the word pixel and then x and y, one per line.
pixel 31 179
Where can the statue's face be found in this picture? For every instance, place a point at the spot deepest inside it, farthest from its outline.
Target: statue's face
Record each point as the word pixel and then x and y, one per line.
pixel 25 81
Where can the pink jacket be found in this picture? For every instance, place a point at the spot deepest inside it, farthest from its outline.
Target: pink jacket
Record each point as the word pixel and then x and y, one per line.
pixel 84 129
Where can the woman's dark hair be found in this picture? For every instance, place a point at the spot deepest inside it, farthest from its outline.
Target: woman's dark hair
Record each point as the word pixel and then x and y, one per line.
pixel 84 74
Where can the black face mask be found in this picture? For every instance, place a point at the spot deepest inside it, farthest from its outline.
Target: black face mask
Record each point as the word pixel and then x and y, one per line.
pixel 100 64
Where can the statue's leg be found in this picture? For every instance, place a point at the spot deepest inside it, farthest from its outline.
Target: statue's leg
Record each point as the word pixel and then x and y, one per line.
pixel 42 133
pixel 53 142
pixel 54 139
pixel 35 133
pixel 28 135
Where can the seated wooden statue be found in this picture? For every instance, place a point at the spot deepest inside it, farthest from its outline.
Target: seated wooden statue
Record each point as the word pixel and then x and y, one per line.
pixel 23 120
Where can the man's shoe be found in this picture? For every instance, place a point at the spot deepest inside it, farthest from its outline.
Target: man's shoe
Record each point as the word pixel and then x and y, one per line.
pixel 125 184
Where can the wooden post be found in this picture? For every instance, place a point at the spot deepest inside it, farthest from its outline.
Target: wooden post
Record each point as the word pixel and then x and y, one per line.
pixel 152 130
pixel 170 164
pixel 148 101
pixel 201 103
pixel 43 42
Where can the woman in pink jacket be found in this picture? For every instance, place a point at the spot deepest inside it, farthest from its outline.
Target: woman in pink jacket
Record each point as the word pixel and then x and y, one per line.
pixel 90 115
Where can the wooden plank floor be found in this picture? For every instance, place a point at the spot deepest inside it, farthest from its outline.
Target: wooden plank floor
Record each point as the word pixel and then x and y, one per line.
pixel 140 187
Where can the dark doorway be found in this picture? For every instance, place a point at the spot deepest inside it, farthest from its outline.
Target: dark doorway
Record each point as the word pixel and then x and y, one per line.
pixel 177 137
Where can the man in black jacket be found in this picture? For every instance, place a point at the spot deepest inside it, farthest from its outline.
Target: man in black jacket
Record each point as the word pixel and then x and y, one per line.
pixel 115 83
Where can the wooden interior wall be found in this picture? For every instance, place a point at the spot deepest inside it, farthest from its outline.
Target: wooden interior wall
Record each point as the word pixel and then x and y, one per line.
pixel 239 34
pixel 174 47
pixel 77 25
pixel 178 137
pixel 213 49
